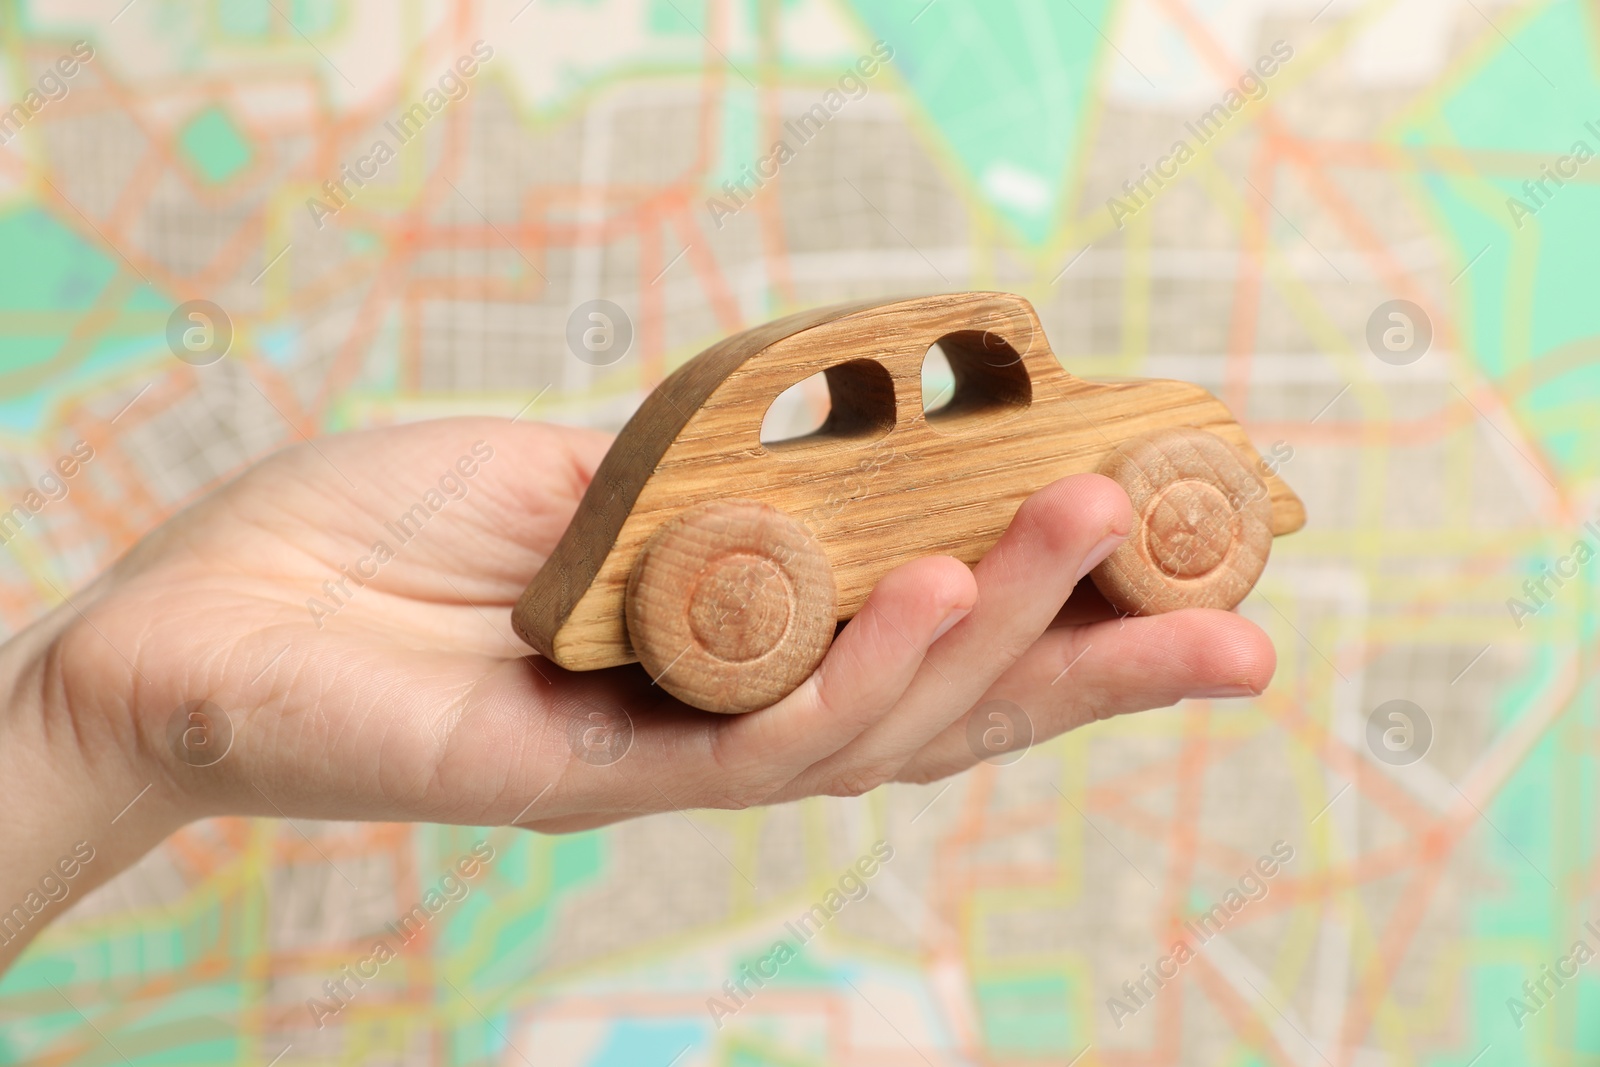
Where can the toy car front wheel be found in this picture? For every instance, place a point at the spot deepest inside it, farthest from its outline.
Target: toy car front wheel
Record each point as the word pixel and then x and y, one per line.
pixel 1203 529
pixel 731 605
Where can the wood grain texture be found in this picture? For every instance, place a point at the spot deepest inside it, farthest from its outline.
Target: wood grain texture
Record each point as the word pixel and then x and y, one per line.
pixel 1204 524
pixel 880 483
pixel 731 605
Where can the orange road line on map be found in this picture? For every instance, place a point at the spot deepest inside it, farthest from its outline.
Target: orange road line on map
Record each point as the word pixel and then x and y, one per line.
pixel 1401 281
pixel 769 210
pixel 1320 185
pixel 723 304
pixel 1289 891
pixel 200 855
pixel 346 364
pixel 1248 288
pixel 347 361
pixel 652 306
pixel 705 265
pixel 126 104
pixel 953 876
pixel 345 279
pixel 302 421
pixel 164 393
pixel 336 129
pixel 1183 840
pixel 634 206
pixel 104 309
pixel 1252 1029
pixel 1376 786
pixel 1338 205
pixel 136 191
pixel 1152 775
pixel 102 515
pixel 624 222
pixel 1227 862
pixel 231 256
pixel 493 288
pixel 1393 944
pixel 66 214
pixel 111 518
pixel 1247 293
pixel 159 161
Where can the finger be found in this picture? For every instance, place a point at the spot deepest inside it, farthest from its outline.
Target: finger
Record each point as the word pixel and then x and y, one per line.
pixel 1056 537
pixel 863 677
pixel 1077 675
pixel 611 744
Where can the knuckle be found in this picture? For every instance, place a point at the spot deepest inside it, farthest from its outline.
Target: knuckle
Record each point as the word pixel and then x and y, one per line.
pixel 924 773
pixel 739 786
pixel 734 799
pixel 737 793
pixel 859 781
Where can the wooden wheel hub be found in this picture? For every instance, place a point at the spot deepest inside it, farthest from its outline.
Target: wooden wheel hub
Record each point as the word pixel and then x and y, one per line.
pixel 739 609
pixel 1206 518
pixel 1189 527
pixel 731 605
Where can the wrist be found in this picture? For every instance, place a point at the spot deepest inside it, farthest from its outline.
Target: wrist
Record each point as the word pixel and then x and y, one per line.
pixel 81 799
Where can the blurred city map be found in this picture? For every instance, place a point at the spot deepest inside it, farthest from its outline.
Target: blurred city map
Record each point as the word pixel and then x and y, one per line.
pixel 1424 151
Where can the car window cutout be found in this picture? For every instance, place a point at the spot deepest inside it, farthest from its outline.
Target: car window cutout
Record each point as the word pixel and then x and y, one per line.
pixel 845 404
pixel 972 375
pixel 938 381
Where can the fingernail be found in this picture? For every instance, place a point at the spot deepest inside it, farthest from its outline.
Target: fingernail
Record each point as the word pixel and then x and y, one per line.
pixel 949 623
pixel 1220 692
pixel 1099 552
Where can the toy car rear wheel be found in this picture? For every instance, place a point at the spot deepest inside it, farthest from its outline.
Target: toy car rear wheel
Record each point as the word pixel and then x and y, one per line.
pixel 1204 524
pixel 731 605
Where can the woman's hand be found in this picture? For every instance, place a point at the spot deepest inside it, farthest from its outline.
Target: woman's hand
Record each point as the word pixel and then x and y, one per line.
pixel 345 604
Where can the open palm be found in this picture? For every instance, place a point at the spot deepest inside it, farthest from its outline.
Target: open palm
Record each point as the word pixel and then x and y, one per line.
pixel 334 625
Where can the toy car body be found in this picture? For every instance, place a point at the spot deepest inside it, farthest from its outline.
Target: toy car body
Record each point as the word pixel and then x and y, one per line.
pixel 879 484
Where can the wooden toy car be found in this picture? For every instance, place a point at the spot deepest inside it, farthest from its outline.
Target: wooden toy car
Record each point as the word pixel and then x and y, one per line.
pixel 723 565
